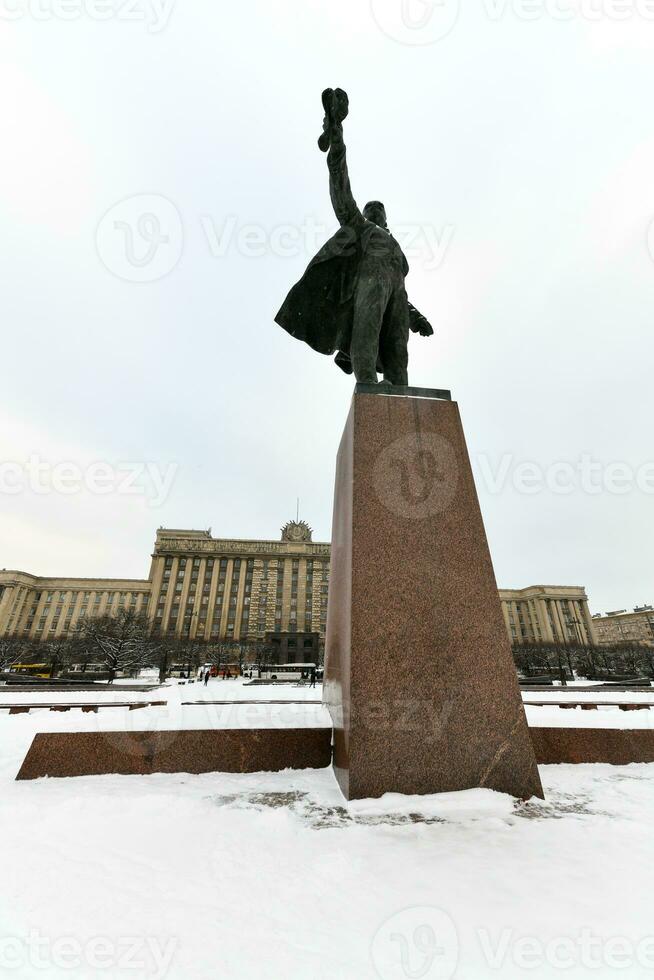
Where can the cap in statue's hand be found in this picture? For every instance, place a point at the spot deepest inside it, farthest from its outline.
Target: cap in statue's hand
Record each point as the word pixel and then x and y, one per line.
pixel 336 105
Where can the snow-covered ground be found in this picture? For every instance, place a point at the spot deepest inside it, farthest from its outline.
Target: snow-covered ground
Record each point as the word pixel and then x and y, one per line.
pixel 17 731
pixel 579 718
pixel 273 876
pixel 259 876
pixel 216 690
pixel 556 694
pixel 605 716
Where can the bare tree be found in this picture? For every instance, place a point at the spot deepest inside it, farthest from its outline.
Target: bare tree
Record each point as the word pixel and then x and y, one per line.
pixel 165 651
pixel 11 649
pixel 190 652
pixel 632 657
pixel 121 641
pixel 647 655
pixel 590 662
pixel 555 659
pixel 593 662
pixel 215 653
pixel 266 654
pixel 56 653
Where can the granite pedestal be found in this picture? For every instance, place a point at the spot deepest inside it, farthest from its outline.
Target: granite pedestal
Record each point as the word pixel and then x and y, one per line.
pixel 419 677
pixel 195 751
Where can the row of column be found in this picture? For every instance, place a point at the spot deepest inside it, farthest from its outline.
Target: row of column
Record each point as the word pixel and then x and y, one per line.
pixel 258 590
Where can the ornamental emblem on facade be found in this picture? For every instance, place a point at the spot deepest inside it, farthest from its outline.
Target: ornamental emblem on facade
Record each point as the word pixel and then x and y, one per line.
pixel 296 531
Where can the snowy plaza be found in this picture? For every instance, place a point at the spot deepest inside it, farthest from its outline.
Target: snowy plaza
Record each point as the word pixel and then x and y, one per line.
pixel 273 875
pixel 326 484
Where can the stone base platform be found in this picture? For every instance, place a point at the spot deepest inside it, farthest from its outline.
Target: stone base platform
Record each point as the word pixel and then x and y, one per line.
pixel 196 751
pixel 270 750
pixel 617 746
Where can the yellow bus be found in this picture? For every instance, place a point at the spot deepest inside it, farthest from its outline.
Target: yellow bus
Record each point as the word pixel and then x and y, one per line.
pixel 32 670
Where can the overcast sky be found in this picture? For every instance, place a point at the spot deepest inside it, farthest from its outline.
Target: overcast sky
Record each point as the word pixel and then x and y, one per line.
pixel 161 189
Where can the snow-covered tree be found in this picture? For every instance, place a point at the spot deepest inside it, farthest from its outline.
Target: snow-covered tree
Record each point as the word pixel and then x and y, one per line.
pixel 10 651
pixel 165 650
pixel 122 642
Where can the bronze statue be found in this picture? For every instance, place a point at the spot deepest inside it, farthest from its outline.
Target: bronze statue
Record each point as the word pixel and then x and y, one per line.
pixel 351 299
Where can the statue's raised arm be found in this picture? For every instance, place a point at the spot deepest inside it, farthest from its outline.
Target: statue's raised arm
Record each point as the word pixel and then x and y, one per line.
pixel 336 106
pixel 352 299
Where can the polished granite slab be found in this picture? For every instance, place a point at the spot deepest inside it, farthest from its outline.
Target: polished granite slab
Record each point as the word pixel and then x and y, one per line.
pixel 194 751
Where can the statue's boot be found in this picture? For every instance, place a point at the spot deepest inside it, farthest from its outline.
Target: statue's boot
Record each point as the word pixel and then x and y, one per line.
pixel 336 106
pixel 384 385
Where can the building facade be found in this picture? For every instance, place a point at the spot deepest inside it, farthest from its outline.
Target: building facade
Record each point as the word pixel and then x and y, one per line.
pixel 548 614
pixel 49 608
pixel 211 588
pixel 207 588
pixel 625 627
pixel 294 648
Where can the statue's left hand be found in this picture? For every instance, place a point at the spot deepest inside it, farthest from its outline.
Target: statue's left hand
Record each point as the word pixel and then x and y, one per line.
pixel 419 323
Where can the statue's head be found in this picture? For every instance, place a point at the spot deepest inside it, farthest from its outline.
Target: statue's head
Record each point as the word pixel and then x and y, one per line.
pixel 376 212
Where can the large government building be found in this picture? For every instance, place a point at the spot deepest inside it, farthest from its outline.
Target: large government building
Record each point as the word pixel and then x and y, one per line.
pixel 208 588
